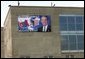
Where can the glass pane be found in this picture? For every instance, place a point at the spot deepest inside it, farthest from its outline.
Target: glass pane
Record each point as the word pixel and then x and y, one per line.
pixel 64 42
pixel 64 46
pixel 79 19
pixel 63 19
pixel 80 39
pixel 64 38
pixel 72 42
pixel 83 19
pixel 71 19
pixel 72 38
pixel 71 27
pixel 63 27
pixel 80 46
pixel 79 27
pixel 72 46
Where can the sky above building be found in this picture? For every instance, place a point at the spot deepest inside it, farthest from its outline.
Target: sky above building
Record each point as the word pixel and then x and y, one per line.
pixel 5 4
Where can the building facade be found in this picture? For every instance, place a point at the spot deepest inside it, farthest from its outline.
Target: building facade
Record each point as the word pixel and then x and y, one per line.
pixel 66 39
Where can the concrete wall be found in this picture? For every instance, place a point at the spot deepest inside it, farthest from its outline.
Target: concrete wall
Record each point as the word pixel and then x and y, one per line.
pixel 2 42
pixel 7 36
pixel 38 44
pixel 35 44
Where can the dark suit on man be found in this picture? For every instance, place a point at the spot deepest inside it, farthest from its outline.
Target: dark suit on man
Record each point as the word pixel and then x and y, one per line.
pixel 40 29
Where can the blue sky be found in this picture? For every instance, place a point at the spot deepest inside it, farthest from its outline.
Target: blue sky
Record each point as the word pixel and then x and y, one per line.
pixel 5 8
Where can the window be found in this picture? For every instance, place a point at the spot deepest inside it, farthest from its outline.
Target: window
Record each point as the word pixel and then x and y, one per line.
pixel 71 27
pixel 71 31
pixel 71 20
pixel 79 19
pixel 63 23
pixel 72 42
pixel 63 27
pixel 80 39
pixel 63 20
pixel 71 23
pixel 64 42
pixel 83 19
pixel 79 27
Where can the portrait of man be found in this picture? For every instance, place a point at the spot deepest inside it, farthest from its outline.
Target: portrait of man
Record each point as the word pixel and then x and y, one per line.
pixel 45 26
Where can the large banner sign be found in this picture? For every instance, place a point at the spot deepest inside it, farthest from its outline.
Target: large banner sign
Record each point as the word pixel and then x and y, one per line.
pixel 34 23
